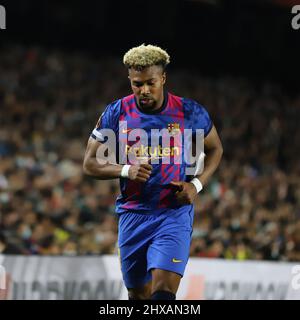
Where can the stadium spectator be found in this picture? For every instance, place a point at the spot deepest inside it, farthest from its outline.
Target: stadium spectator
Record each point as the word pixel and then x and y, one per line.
pixel 48 101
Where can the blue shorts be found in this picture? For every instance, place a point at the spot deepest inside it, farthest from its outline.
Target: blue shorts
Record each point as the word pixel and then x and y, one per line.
pixel 159 240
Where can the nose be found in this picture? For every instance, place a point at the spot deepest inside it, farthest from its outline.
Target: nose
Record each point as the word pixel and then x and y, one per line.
pixel 145 90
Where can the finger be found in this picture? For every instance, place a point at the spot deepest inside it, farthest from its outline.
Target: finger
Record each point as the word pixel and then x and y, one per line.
pixel 182 196
pixel 179 194
pixel 175 183
pixel 146 166
pixel 143 175
pixel 144 170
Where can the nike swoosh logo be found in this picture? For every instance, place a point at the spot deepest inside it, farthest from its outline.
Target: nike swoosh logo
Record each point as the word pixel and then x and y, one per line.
pixel 126 131
pixel 176 261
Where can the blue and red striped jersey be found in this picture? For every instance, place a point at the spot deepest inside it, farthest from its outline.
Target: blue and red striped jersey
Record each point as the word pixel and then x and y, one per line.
pixel 175 115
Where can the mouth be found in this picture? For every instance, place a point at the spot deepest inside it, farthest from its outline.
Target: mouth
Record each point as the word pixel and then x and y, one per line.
pixel 145 100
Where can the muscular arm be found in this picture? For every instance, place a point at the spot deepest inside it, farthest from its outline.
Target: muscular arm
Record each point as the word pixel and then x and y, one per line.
pixel 213 150
pixel 105 169
pixel 186 191
pixel 99 170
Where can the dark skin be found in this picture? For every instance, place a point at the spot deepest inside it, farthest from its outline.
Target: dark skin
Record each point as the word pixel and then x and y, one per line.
pixel 148 87
pixel 187 192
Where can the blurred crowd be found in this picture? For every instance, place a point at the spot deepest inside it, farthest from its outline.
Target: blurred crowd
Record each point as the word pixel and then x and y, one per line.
pixel 49 103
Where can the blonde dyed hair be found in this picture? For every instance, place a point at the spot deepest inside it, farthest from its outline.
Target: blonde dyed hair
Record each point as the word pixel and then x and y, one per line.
pixel 145 56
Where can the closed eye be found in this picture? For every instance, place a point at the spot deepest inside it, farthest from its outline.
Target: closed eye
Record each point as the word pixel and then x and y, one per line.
pixel 137 84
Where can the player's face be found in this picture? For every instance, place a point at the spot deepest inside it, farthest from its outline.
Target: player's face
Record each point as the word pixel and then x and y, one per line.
pixel 147 86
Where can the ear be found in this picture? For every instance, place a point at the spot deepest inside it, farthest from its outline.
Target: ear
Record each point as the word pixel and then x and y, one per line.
pixel 164 77
pixel 129 71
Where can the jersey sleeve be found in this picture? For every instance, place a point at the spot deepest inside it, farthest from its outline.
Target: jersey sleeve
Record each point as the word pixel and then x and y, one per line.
pixel 109 119
pixel 202 119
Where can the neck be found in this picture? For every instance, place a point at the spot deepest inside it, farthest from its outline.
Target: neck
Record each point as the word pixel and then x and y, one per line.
pixel 159 103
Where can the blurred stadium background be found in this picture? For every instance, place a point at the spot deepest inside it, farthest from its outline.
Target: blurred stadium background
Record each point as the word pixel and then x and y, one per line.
pixel 61 63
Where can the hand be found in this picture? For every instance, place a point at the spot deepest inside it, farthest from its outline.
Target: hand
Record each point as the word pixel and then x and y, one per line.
pixel 186 192
pixel 140 172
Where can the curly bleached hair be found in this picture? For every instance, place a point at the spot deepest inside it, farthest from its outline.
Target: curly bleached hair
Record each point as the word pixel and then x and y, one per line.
pixel 145 56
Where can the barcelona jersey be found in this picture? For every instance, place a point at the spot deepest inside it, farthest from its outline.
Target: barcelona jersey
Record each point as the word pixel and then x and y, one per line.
pixel 175 115
pixel 154 230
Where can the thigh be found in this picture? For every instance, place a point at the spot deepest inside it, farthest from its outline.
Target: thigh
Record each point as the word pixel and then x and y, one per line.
pixel 170 247
pixel 165 280
pixel 133 246
pixel 170 252
pixel 134 266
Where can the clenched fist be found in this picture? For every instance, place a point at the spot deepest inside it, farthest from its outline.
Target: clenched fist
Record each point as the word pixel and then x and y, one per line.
pixel 185 192
pixel 140 172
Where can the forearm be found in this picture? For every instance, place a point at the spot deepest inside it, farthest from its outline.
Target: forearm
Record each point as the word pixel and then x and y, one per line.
pixel 99 171
pixel 212 160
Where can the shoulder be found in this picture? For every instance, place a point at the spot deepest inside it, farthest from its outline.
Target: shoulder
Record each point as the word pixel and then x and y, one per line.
pixel 112 109
pixel 117 105
pixel 113 106
pixel 127 100
pixel 194 109
pixel 194 105
pixel 109 115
